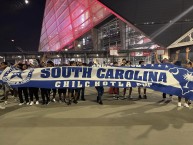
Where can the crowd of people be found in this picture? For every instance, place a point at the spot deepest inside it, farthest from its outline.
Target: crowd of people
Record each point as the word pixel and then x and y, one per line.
pixel 71 95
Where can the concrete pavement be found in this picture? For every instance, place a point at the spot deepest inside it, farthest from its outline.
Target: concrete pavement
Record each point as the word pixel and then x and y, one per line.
pixel 117 122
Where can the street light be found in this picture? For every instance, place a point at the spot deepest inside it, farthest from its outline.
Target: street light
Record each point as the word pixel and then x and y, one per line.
pixel 26 2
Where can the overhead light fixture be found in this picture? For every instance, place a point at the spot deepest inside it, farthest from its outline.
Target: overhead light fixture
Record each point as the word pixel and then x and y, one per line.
pixel 26 1
pixel 79 45
pixel 65 49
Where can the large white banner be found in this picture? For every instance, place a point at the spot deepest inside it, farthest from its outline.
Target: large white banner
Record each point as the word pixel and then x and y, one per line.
pixel 161 77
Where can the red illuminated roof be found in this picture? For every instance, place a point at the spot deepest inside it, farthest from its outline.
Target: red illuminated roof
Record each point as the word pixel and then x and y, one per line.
pixel 66 20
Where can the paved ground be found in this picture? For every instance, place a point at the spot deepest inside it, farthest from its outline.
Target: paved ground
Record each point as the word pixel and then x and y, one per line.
pixel 144 122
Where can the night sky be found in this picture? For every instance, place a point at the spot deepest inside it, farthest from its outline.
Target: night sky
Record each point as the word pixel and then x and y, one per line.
pixel 20 22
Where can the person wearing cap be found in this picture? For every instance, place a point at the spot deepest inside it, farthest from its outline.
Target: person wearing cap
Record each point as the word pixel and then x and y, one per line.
pixel 166 61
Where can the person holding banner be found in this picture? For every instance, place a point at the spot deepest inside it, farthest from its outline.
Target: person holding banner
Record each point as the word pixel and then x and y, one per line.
pixel 44 91
pixel 2 91
pixel 187 55
pixel 144 88
pixel 100 89
pixel 166 61
pixel 114 90
pixel 5 86
pixel 23 90
pixel 72 90
pixel 1 85
pixel 186 104
pixel 33 91
pixel 189 65
pixel 51 64
pixel 100 92
pixel 188 61
pixel 81 90
pixel 126 63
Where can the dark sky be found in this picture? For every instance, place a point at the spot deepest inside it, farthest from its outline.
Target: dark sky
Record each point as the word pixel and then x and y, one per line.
pixel 164 21
pixel 22 23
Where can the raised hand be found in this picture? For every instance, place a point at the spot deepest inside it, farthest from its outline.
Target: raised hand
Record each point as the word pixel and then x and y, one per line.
pixel 188 49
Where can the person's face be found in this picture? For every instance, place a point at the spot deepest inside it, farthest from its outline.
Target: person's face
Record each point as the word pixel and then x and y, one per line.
pixel 24 67
pixel 188 65
pixel 165 60
pixel 80 64
pixel 116 64
pixel 124 61
pixel 74 64
pixel 3 65
pixel 142 63
pixel 49 65
pixel 43 64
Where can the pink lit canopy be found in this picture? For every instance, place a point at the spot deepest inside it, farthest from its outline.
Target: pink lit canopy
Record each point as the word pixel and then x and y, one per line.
pixel 66 20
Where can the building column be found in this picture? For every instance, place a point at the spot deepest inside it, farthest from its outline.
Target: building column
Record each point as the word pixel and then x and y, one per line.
pixel 94 33
pixel 122 27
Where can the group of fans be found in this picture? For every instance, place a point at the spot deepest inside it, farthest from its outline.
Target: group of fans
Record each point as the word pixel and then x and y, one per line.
pixel 69 95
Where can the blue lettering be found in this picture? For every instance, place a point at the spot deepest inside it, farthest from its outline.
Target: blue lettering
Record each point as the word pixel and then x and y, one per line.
pixel 153 76
pixel 109 74
pixel 56 72
pixel 66 72
pixel 87 72
pixel 137 77
pixel 119 74
pixel 162 77
pixel 45 73
pixel 129 74
pixel 99 73
pixel 145 76
pixel 77 71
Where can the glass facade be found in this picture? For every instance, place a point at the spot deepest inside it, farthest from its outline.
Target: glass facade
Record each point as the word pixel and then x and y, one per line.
pixel 66 20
